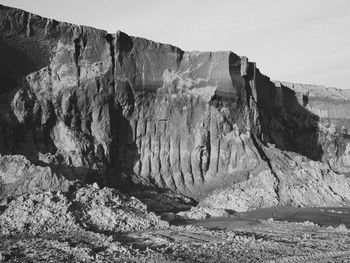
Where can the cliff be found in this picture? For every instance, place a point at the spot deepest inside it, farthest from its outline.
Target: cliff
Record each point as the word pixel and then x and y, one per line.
pixel 81 104
pixel 308 119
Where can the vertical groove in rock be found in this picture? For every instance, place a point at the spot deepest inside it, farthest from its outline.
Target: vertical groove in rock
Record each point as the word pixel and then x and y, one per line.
pixel 26 23
pixel 179 157
pixel 268 162
pixel 170 175
pixel 214 143
pixel 190 169
pixel 163 152
pixel 218 157
pixel 111 42
pixel 77 50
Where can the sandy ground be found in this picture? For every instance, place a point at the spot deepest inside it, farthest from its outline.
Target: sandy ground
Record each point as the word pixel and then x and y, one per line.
pixel 245 237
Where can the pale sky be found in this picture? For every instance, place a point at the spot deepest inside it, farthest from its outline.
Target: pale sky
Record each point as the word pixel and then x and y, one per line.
pixel 304 41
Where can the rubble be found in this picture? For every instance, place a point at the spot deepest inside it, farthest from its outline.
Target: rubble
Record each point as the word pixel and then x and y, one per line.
pixel 88 208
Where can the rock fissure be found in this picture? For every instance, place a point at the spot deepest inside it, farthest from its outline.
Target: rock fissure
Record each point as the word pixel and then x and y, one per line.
pixel 266 159
pixel 77 50
pixel 111 41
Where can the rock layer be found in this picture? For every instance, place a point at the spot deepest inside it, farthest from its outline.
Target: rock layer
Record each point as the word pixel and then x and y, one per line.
pixel 122 109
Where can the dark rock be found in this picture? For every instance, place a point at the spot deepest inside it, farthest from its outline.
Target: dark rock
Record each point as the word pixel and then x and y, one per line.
pixel 308 119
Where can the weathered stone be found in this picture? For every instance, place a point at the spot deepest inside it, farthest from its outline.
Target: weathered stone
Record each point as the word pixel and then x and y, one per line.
pixel 307 119
pixel 119 109
pixel 19 176
pixel 293 180
pixel 84 208
pixel 118 105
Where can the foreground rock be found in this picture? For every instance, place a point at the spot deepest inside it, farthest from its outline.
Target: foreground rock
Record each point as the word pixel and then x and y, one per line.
pixel 222 241
pixel 293 180
pixel 89 208
pixel 20 176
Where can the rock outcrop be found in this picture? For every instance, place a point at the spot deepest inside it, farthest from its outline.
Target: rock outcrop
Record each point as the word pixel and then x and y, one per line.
pixel 294 180
pixel 120 109
pixel 307 119
pixel 113 105
pixel 19 176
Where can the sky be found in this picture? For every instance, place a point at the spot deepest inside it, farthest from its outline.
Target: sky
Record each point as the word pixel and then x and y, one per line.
pixel 303 41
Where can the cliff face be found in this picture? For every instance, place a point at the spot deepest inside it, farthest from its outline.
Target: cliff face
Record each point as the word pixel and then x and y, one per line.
pixel 91 105
pixel 89 102
pixel 308 119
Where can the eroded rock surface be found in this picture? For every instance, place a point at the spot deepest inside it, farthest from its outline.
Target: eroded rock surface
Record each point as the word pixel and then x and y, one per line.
pixel 83 104
pixel 19 176
pixel 308 119
pixel 294 180
pixel 114 105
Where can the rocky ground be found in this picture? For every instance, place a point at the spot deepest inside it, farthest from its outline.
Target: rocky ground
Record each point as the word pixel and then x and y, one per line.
pixel 260 241
pixel 89 224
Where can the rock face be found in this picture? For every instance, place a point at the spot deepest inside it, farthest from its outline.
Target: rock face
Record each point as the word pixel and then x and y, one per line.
pixel 294 180
pixel 121 109
pixel 307 119
pixel 114 104
pixel 19 176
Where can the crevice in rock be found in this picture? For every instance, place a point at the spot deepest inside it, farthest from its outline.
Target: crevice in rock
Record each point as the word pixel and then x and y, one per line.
pixel 201 171
pixel 124 44
pixel 268 162
pixel 180 160
pixel 190 168
pixel 218 156
pixel 248 90
pixel 179 57
pixel 114 110
pixel 110 39
pixel 247 80
pixel 208 147
pixel 336 194
pixel 26 24
pixel 77 51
